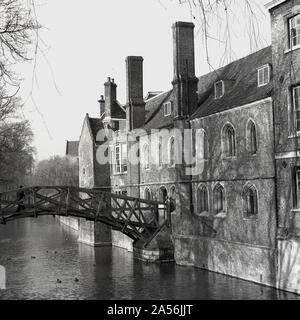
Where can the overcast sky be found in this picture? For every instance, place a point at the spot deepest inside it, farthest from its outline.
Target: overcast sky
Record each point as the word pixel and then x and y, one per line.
pixel 84 42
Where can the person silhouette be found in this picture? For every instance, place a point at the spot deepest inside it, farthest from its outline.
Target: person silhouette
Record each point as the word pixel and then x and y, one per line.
pixel 20 197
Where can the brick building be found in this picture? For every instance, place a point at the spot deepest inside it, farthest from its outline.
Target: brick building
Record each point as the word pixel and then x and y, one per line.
pixel 236 193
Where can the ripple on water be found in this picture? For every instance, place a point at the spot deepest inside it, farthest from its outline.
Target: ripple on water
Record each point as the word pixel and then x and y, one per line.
pixel 103 273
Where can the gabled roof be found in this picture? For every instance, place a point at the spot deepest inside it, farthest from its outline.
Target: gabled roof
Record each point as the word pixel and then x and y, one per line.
pixel 95 125
pixel 242 75
pixel 240 79
pixel 118 111
pixel 152 94
pixel 154 111
pixel 72 148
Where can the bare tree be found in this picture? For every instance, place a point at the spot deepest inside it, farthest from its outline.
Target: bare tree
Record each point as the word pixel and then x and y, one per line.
pixel 16 151
pixel 56 171
pixel 18 29
pixel 221 20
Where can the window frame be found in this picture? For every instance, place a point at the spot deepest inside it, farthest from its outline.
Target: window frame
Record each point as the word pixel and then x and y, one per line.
pixel 171 155
pixel 247 204
pixel 294 88
pixel 216 189
pixel 223 89
pixel 168 108
pixel 200 189
pixel 261 69
pixel 202 146
pixel 146 156
pixel 226 142
pixel 252 140
pixel 119 165
pixel 160 152
pixel 147 191
pixel 290 30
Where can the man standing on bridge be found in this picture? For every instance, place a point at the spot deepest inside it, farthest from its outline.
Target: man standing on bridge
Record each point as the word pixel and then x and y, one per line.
pixel 20 197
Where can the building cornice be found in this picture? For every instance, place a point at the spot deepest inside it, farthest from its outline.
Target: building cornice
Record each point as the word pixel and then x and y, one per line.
pixel 270 5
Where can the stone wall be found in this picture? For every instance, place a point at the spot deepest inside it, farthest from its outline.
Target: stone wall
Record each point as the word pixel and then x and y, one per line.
pixel 71 222
pixel 253 263
pixel 288 277
pixel 118 239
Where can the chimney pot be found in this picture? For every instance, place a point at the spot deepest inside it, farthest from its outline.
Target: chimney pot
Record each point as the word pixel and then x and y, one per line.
pixel 108 79
pixel 113 80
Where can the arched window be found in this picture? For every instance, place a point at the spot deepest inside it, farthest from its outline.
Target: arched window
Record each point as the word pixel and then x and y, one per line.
pixel 229 141
pixel 160 152
pixel 202 199
pixel 202 145
pixel 219 199
pixel 146 152
pixel 252 138
pixel 173 198
pixel 147 194
pixel 250 202
pixel 172 152
pixel 163 194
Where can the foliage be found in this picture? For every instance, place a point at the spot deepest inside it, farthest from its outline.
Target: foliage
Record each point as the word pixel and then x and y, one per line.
pixel 57 171
pixel 222 20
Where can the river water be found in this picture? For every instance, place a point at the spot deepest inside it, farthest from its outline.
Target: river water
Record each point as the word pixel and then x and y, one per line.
pixel 43 259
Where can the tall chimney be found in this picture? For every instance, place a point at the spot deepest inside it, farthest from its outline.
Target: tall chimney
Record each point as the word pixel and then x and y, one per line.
pixel 102 106
pixel 184 82
pixel 110 89
pixel 135 106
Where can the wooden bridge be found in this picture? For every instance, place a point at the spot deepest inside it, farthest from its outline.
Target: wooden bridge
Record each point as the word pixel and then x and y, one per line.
pixel 139 219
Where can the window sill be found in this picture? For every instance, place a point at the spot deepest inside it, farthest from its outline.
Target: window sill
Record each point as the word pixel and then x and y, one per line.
pixel 220 215
pixel 229 158
pixel 120 174
pixel 262 85
pixel 204 214
pixel 296 135
pixel 292 49
pixel 254 218
pixel 295 210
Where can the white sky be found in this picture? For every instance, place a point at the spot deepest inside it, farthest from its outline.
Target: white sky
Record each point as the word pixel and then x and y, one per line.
pixel 88 41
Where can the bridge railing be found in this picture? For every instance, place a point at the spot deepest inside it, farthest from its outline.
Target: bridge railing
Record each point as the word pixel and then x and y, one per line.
pixel 135 217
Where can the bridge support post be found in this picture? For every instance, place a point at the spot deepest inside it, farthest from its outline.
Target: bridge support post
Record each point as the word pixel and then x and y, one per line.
pixel 94 233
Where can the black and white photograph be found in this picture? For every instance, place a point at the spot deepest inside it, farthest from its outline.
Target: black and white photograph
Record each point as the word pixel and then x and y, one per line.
pixel 149 152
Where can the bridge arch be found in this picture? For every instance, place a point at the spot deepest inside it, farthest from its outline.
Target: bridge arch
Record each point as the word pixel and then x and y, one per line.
pixel 135 217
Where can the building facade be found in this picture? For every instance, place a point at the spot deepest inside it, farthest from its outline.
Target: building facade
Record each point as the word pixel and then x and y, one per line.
pixel 223 147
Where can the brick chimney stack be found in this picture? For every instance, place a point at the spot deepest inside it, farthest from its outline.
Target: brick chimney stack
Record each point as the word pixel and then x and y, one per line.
pixel 110 89
pixel 135 106
pixel 184 82
pixel 102 106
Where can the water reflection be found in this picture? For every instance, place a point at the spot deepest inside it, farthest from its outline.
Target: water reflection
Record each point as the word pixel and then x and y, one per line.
pixel 38 252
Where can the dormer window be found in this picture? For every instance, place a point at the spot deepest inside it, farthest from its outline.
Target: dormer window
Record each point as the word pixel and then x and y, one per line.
pixel 168 108
pixel 263 75
pixel 219 89
pixel 294 32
